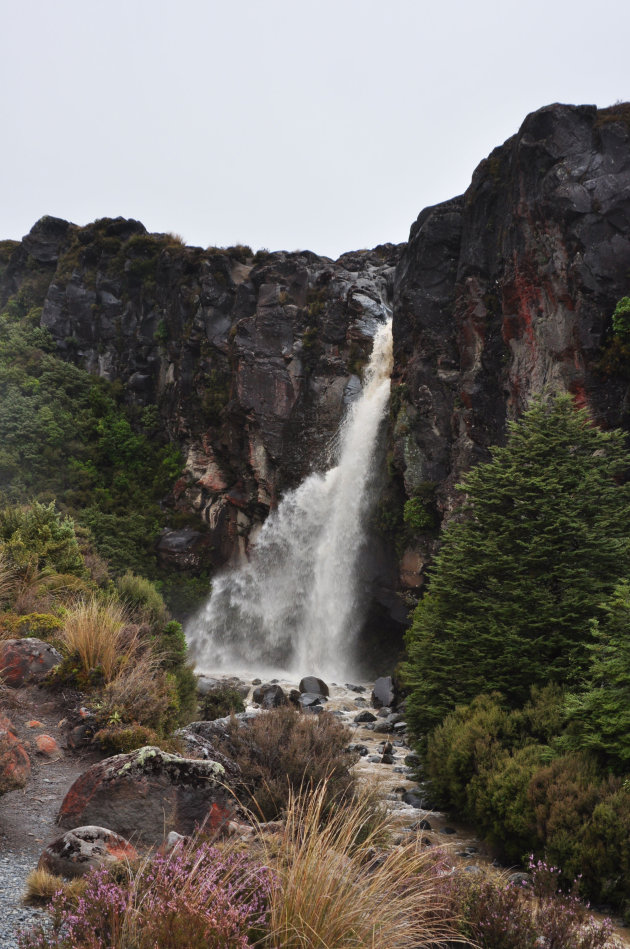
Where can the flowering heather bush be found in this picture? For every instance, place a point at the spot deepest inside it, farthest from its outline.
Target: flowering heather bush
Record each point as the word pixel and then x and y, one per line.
pixel 196 898
pixel 517 916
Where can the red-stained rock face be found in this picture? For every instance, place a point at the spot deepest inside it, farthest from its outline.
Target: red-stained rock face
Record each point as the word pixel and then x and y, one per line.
pixel 26 661
pixel 146 794
pixel 508 291
pixel 15 767
pixel 83 849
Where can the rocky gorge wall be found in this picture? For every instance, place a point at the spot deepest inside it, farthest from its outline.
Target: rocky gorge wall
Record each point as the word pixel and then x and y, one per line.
pixel 250 360
pixel 508 291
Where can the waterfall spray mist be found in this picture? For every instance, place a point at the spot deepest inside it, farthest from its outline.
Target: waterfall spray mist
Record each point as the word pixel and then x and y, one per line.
pixel 296 605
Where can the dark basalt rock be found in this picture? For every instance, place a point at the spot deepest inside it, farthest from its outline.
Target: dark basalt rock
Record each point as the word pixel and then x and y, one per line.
pixel 269 696
pixel 363 717
pixel 313 684
pixel 383 693
pixel 505 292
pixel 311 699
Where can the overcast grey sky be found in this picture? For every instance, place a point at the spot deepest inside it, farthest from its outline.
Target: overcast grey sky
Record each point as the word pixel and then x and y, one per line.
pixel 280 123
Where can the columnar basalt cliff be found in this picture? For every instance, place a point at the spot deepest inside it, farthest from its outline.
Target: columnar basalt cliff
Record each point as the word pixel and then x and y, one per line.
pixel 250 360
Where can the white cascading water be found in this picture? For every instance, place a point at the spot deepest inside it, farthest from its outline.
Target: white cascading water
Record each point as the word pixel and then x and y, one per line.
pixel 295 606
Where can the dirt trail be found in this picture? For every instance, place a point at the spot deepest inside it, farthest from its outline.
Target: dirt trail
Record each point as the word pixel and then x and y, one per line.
pixel 27 817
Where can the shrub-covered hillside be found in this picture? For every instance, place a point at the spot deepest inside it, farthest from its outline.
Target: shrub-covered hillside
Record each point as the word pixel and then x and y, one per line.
pixel 118 644
pixel 73 438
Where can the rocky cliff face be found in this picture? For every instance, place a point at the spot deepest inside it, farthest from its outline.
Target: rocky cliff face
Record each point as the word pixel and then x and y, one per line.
pixel 250 360
pixel 508 291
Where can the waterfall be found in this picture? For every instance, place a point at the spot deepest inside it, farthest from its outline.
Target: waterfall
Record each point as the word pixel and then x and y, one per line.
pixel 296 605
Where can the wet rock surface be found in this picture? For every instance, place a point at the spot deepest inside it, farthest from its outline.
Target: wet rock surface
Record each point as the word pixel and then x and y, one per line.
pixel 506 291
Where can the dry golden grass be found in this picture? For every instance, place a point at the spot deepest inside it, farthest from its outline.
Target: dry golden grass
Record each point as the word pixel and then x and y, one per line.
pixel 336 894
pixel 140 688
pixel 41 886
pixel 8 579
pixel 95 630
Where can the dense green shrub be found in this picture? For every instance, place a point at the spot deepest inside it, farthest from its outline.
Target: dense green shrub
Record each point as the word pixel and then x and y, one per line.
pixel 504 771
pixel 171 643
pixel 621 319
pixel 141 597
pixel 469 740
pixel 121 739
pixel 38 536
pixel 69 435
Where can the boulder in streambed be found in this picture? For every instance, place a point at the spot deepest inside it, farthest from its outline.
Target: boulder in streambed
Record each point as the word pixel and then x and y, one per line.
pixel 315 685
pixel 311 699
pixel 269 696
pixel 383 692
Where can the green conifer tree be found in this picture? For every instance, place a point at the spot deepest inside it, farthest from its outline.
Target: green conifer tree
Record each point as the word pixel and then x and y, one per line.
pixel 544 539
pixel 600 714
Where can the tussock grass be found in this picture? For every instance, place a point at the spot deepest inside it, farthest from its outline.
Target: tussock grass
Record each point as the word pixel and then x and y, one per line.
pixel 95 629
pixel 8 578
pixel 41 886
pixel 336 893
pixel 139 688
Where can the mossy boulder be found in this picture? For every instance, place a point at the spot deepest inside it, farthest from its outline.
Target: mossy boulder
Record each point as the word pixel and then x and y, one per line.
pixel 148 793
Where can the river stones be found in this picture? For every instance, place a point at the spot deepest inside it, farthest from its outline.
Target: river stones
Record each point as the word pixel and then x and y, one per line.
pixel 269 696
pixel 383 692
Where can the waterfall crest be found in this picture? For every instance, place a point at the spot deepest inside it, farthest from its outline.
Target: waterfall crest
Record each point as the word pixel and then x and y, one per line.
pixel 296 605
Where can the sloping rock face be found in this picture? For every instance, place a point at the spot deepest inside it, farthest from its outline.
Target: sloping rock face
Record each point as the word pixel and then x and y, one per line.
pixel 506 292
